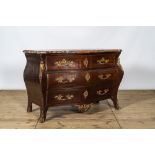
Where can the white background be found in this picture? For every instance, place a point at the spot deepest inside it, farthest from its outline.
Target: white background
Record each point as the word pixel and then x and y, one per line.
pixel 137 58
pixel 77 13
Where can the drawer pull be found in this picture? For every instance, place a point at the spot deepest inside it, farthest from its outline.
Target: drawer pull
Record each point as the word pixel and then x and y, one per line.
pixel 63 98
pixel 69 79
pixel 104 76
pixel 65 63
pixel 100 92
pixel 103 61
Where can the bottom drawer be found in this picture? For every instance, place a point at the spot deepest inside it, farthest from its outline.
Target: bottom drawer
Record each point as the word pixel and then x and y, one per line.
pixel 77 95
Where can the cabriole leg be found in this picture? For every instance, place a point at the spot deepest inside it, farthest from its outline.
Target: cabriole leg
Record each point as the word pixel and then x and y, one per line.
pixel 29 106
pixel 115 102
pixel 43 112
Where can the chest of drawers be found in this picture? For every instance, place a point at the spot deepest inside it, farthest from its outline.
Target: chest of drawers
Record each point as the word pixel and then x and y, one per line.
pixel 76 77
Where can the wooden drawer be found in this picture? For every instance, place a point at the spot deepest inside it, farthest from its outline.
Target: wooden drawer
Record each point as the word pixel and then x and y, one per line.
pixel 70 61
pixel 62 62
pixel 81 78
pixel 103 60
pixel 77 95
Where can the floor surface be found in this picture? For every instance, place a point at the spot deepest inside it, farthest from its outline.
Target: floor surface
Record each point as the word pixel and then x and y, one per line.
pixel 137 111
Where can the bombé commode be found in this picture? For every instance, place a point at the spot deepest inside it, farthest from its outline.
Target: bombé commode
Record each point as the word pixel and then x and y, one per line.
pixel 76 77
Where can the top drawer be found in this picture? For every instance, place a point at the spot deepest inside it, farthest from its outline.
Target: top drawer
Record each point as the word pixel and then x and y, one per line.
pixel 73 61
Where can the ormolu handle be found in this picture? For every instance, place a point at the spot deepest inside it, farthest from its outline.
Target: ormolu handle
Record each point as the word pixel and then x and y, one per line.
pixel 68 79
pixel 104 76
pixel 63 98
pixel 65 63
pixel 103 61
pixel 100 92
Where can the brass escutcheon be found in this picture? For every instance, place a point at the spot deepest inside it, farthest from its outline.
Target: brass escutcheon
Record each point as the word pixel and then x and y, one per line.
pixel 87 76
pixel 85 94
pixel 42 66
pixel 85 62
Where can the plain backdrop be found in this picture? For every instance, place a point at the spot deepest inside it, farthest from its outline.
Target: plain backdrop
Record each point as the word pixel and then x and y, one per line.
pixel 137 43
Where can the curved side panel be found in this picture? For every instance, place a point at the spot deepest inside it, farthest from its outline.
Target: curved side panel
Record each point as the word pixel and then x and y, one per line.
pixel 120 73
pixel 32 78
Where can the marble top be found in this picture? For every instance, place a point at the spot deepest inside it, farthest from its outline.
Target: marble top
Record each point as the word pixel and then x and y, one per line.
pixel 71 51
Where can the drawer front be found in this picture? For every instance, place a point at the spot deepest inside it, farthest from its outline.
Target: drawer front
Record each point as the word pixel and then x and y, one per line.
pixel 81 78
pixel 103 60
pixel 62 62
pixel 77 95
pixel 71 61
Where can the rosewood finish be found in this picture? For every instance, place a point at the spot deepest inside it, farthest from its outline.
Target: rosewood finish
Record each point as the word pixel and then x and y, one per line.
pixel 76 77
